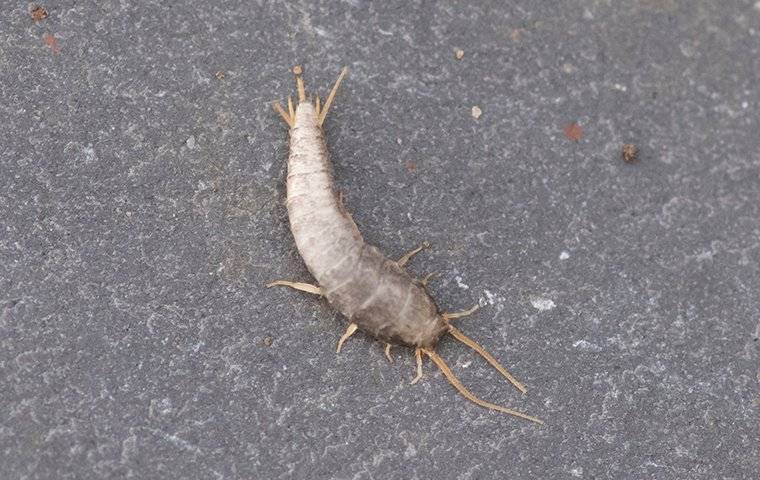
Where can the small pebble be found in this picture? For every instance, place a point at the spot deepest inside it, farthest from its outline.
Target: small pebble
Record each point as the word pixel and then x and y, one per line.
pixel 476 112
pixel 38 13
pixel 459 53
pixel 630 152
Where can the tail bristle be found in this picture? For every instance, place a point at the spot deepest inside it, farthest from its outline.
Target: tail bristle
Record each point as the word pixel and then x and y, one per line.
pixel 469 395
pixel 457 334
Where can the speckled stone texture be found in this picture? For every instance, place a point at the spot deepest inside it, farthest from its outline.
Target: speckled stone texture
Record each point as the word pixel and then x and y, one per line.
pixel 142 211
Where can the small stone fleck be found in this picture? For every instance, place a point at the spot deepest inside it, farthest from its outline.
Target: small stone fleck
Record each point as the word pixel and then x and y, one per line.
pixel 630 152
pixel 38 13
pixel 219 75
pixel 51 42
pixel 476 112
pixel 268 341
pixel 573 132
pixel 542 304
pixel 190 142
pixel 516 33
pixel 564 255
pixel 586 345
pixel 459 53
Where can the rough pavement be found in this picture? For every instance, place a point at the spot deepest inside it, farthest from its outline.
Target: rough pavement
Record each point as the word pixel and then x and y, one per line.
pixel 141 213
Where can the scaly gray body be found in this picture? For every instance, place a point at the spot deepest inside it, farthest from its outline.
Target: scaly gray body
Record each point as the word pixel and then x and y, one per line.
pixel 373 292
pixel 370 290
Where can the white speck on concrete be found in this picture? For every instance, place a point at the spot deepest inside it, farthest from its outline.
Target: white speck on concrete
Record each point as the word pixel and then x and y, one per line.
pixel 322 32
pixel 564 255
pixel 89 154
pixel 619 87
pixel 190 142
pixel 489 297
pixel 410 451
pixel 492 299
pixel 687 49
pixel 577 472
pixel 682 451
pixel 542 304
pixel 183 444
pixel 128 448
pixel 585 345
pixel 476 112
pixel 461 284
pixel 85 153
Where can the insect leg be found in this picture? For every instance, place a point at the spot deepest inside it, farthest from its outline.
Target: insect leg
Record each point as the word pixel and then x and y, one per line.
pixel 408 256
pixel 304 287
pixel 424 281
pixel 452 316
pixel 388 352
pixel 468 395
pixel 349 331
pixel 418 355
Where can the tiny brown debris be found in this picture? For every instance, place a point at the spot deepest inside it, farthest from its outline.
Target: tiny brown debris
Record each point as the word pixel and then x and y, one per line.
pixel 573 132
pixel 476 112
pixel 411 167
pixel 51 42
pixel 516 34
pixel 268 341
pixel 38 13
pixel 630 152
pixel 219 75
pixel 459 53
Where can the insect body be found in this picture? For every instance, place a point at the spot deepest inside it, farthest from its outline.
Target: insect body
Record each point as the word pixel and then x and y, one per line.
pixel 372 291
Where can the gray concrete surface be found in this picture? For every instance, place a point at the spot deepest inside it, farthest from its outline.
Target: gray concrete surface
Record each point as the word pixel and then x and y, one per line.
pixel 141 213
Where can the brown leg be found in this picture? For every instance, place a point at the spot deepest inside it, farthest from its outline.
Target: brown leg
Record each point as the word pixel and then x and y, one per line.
pixel 349 331
pixel 408 256
pixel 452 316
pixel 424 281
pixel 304 287
pixel 388 352
pixel 418 355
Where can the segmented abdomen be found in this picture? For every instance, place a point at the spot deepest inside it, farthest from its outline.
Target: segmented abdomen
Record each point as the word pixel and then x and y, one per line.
pixel 372 291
